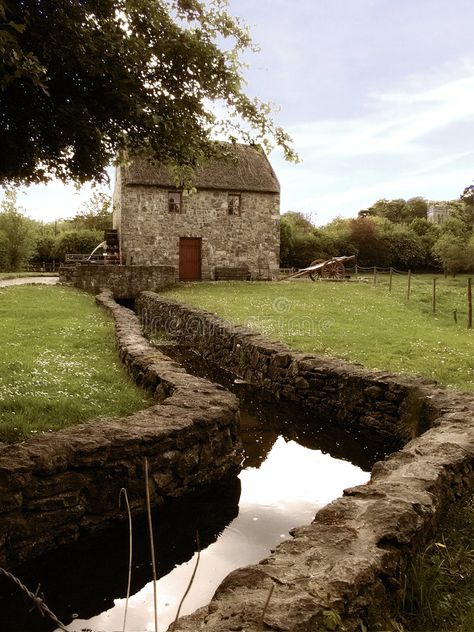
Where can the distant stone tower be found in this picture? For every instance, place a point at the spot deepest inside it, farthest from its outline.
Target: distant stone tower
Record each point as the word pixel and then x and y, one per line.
pixel 438 212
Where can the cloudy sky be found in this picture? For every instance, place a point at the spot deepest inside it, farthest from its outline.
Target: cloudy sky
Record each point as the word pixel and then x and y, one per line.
pixel 378 96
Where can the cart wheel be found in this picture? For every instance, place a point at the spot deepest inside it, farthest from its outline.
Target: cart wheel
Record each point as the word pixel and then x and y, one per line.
pixel 333 270
pixel 339 271
pixel 327 270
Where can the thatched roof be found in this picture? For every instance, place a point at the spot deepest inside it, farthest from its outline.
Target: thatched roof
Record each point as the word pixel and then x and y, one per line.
pixel 248 169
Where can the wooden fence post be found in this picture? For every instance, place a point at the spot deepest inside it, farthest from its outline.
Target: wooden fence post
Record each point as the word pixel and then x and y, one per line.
pixel 469 303
pixel 390 280
pixel 375 275
pixel 434 296
pixel 409 285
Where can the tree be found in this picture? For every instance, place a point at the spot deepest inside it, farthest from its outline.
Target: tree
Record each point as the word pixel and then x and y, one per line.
pixel 393 210
pixel 454 248
pixel 96 213
pixel 76 242
pixel 455 226
pixel 44 249
pixel 84 82
pixel 3 251
pixel 301 242
pixel 297 240
pixel 366 237
pixel 427 233
pixel 300 222
pixel 406 248
pixel 16 234
pixel 339 232
pixel 417 207
pixel 454 253
pixel 398 211
pixel 287 242
pixel 465 211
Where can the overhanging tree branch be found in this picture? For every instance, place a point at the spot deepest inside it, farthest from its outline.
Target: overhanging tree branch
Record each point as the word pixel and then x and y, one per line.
pixel 84 82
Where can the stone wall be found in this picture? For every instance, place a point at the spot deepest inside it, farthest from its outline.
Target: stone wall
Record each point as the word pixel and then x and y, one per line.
pixel 350 560
pixel 54 488
pixel 392 406
pixel 123 281
pixel 150 234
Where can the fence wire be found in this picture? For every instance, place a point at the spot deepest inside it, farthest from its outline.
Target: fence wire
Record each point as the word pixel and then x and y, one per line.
pixel 38 602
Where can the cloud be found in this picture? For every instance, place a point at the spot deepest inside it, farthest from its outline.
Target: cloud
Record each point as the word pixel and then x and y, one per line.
pixel 413 139
pixel 396 122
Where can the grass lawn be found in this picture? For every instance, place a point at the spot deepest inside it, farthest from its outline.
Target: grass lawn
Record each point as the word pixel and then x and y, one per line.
pixel 438 593
pixel 359 322
pixel 59 364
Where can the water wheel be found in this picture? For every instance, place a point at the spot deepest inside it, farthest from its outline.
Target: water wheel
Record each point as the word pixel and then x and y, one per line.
pixel 333 270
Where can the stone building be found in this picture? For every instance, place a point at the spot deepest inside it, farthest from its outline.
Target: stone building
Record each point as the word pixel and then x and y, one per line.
pixel 228 228
pixel 438 212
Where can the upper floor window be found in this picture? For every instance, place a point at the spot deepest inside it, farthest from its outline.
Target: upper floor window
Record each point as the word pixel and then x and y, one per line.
pixel 174 201
pixel 233 203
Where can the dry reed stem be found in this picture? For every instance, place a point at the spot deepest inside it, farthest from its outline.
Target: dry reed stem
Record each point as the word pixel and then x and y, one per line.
pixel 265 607
pixel 123 492
pixel 190 581
pixel 152 547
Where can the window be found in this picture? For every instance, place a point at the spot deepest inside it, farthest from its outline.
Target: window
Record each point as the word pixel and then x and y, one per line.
pixel 233 204
pixel 174 201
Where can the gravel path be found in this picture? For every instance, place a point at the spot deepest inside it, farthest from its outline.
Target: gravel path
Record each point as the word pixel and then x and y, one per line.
pixel 45 280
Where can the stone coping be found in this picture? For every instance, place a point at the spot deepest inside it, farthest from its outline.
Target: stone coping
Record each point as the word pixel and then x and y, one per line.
pixel 56 487
pixel 351 559
pixel 125 281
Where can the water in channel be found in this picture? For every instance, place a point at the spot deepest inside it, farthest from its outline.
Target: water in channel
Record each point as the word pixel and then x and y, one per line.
pixel 291 469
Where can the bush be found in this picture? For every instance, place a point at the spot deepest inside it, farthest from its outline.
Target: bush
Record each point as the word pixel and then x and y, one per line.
pixel 76 241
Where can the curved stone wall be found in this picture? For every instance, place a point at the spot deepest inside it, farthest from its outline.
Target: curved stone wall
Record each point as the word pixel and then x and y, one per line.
pixel 350 561
pixel 54 488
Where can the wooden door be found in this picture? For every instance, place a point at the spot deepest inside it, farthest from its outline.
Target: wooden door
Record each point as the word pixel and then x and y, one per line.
pixel 189 258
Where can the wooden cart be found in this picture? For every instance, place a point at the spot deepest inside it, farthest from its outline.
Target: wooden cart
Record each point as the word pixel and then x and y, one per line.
pixel 325 269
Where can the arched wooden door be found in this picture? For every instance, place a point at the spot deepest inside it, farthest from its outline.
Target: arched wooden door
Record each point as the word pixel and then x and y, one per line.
pixel 189 258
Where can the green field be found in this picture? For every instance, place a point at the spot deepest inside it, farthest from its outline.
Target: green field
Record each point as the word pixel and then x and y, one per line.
pixel 59 364
pixel 356 321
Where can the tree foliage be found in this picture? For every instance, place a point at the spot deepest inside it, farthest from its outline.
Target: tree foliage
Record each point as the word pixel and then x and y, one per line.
pixel 398 211
pixel 26 242
pixel 465 210
pixel 76 242
pixel 382 239
pixel 84 82
pixel 455 253
pixel 96 213
pixel 16 234
pixel 405 249
pixel 370 246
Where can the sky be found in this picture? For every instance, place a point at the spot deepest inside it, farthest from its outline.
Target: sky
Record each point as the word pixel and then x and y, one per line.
pixel 378 96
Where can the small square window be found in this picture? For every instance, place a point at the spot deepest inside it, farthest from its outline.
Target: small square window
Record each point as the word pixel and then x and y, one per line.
pixel 174 201
pixel 233 204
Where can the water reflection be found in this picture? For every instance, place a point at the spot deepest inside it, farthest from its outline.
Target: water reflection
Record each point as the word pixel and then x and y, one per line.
pixel 284 491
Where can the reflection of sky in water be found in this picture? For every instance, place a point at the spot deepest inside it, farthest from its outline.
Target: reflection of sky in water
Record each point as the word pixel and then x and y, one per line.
pixel 284 492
